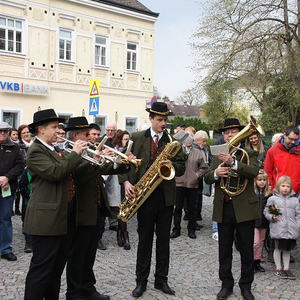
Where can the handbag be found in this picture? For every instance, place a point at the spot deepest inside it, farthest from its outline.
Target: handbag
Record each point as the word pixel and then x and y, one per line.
pixel 206 189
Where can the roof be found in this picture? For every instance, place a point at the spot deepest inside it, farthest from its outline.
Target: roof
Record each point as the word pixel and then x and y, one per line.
pixel 132 5
pixel 186 110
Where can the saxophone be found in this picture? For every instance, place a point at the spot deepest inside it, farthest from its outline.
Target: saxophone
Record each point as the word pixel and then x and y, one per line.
pixel 158 171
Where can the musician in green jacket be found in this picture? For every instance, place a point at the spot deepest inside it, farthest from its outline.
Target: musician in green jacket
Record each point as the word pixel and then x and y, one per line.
pixel 157 210
pixel 46 216
pixel 235 213
pixel 89 202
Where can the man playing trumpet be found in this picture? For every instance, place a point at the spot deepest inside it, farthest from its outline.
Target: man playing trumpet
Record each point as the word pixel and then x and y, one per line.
pixel 46 216
pixel 89 204
pixel 234 213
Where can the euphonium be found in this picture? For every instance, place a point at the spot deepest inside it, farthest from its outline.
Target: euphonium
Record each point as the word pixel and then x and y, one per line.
pixel 158 171
pixel 240 183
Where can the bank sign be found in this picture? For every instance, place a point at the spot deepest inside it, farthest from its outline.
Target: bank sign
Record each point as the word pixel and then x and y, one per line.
pixel 24 88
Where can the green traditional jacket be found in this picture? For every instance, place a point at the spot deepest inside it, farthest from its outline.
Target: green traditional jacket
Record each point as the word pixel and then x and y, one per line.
pixel 141 149
pixel 86 177
pixel 47 210
pixel 246 205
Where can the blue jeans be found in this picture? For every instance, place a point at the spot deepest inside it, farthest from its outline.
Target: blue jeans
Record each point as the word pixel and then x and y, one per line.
pixel 214 227
pixel 6 207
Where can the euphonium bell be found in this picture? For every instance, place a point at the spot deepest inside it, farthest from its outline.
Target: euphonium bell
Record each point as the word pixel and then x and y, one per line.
pixel 234 184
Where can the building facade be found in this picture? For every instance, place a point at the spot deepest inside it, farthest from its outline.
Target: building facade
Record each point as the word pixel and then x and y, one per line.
pixel 51 49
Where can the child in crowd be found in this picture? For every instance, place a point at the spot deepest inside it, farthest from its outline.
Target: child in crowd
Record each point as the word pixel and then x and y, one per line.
pixel 283 212
pixel 262 190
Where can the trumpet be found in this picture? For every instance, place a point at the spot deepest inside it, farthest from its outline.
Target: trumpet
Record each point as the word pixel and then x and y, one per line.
pixel 85 154
pixel 121 157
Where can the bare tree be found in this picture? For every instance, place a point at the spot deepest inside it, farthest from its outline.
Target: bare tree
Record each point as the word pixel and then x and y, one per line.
pixel 191 96
pixel 251 41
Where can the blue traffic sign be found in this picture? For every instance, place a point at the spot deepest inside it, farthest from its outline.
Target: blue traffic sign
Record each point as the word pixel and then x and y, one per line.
pixel 94 106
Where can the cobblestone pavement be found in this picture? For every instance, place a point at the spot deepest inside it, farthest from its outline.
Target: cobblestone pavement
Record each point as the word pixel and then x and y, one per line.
pixel 193 268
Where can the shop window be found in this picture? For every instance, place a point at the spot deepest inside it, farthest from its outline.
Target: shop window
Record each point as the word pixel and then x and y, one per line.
pixel 101 122
pixel 12 118
pixel 131 124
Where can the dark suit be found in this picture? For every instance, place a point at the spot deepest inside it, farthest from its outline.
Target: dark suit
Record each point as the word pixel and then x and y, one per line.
pixel 236 214
pixel 46 220
pixel 89 188
pixel 156 211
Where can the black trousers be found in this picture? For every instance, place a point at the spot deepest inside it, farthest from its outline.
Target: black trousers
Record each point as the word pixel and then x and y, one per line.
pixel 153 214
pixel 199 200
pixel 80 275
pixel 245 239
pixel 49 257
pixel 191 196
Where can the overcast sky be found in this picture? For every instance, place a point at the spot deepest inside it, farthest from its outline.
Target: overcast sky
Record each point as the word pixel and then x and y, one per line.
pixel 177 21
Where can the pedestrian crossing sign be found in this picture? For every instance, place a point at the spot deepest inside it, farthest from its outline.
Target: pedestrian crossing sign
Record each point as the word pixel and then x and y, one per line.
pixel 94 106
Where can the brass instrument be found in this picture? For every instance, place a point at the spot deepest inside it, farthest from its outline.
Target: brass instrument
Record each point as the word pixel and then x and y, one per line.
pixel 239 183
pixel 121 157
pixel 158 171
pixel 85 153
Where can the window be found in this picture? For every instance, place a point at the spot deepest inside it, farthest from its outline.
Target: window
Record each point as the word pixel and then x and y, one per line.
pixel 65 44
pixel 101 122
pixel 100 51
pixel 11 34
pixel 12 118
pixel 131 56
pixel 131 124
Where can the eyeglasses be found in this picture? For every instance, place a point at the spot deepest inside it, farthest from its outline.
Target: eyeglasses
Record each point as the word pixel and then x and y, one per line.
pixel 3 131
pixel 291 139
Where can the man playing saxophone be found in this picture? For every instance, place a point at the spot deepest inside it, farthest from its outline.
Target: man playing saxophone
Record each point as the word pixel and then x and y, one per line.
pixel 234 210
pixel 156 212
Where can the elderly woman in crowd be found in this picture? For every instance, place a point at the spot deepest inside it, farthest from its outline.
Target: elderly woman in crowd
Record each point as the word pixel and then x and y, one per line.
pixel 25 139
pixel 187 186
pixel 200 139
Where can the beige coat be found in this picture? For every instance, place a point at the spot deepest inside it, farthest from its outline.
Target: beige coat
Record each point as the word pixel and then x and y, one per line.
pixel 195 167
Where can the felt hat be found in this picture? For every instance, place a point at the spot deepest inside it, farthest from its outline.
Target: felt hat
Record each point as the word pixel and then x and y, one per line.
pixel 231 123
pixel 43 116
pixel 77 123
pixel 159 108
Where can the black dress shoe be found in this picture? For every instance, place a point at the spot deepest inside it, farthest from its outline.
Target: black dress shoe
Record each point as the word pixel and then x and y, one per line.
pixel 186 217
pixel 164 287
pixel 192 234
pixel 199 218
pixel 175 233
pixel 198 227
pixel 247 295
pixel 28 247
pixel 101 246
pixel 9 256
pixel 18 213
pixel 139 290
pixel 224 293
pixel 113 227
pixel 97 296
